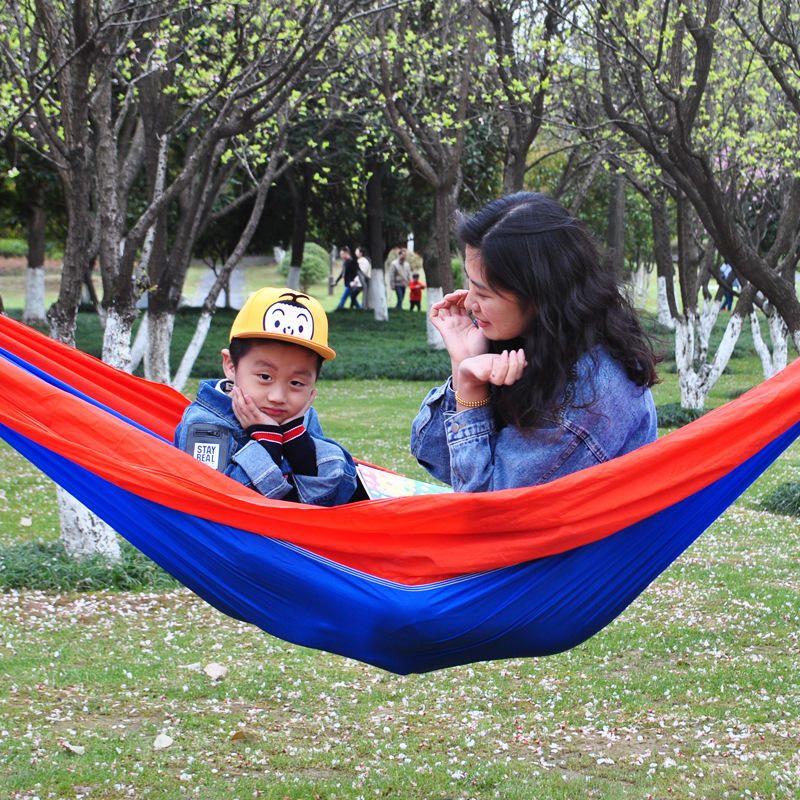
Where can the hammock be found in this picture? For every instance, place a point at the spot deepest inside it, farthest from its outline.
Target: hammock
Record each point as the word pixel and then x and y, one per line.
pixel 408 584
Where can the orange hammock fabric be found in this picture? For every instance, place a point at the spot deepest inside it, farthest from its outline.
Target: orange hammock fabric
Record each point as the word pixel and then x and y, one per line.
pixel 422 539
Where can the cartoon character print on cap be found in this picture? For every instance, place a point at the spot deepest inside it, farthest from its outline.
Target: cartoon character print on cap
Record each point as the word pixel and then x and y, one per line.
pixel 289 318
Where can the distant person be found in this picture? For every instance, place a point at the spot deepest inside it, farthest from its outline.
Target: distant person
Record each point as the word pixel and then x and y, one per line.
pixel 365 272
pixel 729 284
pixel 551 369
pixel 415 287
pixel 399 276
pixel 257 425
pixel 352 281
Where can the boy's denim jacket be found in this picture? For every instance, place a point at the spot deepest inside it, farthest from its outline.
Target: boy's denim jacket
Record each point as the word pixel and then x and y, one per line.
pixel 467 451
pixel 253 466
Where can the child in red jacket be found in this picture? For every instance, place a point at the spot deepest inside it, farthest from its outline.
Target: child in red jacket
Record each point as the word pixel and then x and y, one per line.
pixel 415 287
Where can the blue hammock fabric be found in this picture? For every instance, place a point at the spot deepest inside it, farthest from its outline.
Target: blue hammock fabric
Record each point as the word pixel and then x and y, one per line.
pixel 342 580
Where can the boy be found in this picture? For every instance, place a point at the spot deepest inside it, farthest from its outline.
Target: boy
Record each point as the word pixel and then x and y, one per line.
pixel 415 287
pixel 257 425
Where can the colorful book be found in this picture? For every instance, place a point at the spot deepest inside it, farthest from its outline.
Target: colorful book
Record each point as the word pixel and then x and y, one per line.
pixel 379 483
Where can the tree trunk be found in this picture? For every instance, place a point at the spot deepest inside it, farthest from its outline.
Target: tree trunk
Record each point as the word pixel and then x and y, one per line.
pixel 771 362
pixel 707 318
pixel 440 273
pixel 640 283
pixel 376 294
pixel 294 277
pixel 696 378
pixel 159 332
pixel 193 350
pixel 83 533
pixel 35 311
pixel 62 314
pixel 140 343
pixel 664 292
pixel 301 196
pixel 435 294
pixel 665 269
pixel 117 338
pixel 120 311
pixel 616 224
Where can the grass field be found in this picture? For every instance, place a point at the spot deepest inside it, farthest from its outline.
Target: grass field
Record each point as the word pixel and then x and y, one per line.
pixel 693 692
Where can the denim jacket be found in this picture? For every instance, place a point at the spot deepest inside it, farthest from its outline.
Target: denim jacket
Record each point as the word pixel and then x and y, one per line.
pixel 253 466
pixel 467 451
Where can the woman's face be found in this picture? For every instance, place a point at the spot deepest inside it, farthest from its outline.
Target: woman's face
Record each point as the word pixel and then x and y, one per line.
pixel 498 314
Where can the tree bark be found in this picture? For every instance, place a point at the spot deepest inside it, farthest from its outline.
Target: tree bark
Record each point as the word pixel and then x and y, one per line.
pixel 83 533
pixel 300 190
pixel 616 223
pixel 35 311
pixel 376 291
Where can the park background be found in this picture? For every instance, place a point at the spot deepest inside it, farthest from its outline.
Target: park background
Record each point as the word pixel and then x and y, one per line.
pixel 692 692
pixel 671 129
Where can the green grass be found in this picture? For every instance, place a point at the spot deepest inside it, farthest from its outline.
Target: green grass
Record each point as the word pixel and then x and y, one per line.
pixel 693 692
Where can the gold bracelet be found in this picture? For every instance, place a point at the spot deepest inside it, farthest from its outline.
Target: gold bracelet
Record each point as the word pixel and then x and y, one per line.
pixel 474 403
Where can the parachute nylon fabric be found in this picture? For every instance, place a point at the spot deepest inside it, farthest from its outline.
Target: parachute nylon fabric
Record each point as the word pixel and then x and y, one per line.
pixel 409 584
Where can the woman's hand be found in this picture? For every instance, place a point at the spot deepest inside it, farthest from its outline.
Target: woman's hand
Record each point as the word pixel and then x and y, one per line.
pixel 497 369
pixel 461 336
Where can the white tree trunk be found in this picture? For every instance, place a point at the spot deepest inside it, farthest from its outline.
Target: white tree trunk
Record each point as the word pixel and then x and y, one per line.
pixel 293 281
pixel 761 348
pixel 377 295
pixel 640 284
pixel 690 383
pixel 156 358
pixel 725 350
pixel 117 341
pixel 779 332
pixel 35 310
pixel 435 294
pixel 192 351
pixel 706 322
pixel 139 344
pixel 771 362
pixel 796 340
pixel 83 533
pixel 696 377
pixel 664 315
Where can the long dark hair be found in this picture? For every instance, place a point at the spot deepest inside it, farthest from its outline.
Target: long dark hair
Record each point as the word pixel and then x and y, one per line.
pixel 532 248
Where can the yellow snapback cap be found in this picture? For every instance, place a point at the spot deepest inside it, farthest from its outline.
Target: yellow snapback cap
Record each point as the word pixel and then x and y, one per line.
pixel 285 315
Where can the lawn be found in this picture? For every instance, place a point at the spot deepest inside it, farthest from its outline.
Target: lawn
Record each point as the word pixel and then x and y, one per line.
pixel 693 692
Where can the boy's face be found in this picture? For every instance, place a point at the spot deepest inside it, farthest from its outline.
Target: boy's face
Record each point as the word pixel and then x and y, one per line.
pixel 278 377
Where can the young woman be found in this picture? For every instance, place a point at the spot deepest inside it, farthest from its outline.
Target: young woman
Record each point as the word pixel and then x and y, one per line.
pixel 550 367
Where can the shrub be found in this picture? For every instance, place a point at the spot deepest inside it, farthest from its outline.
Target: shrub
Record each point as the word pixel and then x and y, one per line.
pixel 45 566
pixel 315 266
pixel 12 248
pixel 671 415
pixel 784 499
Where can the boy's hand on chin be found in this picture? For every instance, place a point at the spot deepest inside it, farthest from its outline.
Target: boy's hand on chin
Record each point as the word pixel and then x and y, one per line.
pixel 247 412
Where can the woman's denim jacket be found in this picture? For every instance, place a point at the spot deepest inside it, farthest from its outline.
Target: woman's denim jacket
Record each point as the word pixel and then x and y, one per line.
pixel 610 415
pixel 253 466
